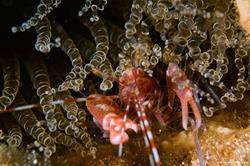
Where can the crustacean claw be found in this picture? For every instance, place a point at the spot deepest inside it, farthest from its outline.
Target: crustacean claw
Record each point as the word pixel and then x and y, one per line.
pixel 179 83
pixel 110 117
pixel 116 126
pixel 131 125
pixel 188 98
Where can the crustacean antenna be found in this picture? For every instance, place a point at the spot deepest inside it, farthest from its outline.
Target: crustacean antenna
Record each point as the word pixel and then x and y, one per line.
pixel 147 134
pixel 25 107
pixel 143 120
pixel 123 129
pixel 211 91
pixel 196 140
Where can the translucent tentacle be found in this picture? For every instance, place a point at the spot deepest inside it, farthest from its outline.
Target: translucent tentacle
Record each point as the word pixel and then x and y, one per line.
pixel 72 130
pixel 63 139
pixel 43 30
pixel 30 124
pixel 11 73
pixel 43 8
pixel 14 137
pixel 74 80
pixel 100 34
pixel 40 78
pixel 94 8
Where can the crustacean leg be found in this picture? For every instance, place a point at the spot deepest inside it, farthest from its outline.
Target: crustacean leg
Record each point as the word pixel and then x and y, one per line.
pixel 108 114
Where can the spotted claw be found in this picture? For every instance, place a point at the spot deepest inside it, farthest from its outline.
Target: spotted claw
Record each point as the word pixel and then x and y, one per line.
pixel 110 118
pixel 116 126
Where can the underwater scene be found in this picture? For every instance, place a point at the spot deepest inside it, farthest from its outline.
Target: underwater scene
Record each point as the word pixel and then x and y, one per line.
pixel 125 83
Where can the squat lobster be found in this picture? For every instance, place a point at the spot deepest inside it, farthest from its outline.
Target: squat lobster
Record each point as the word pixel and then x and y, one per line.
pixel 138 92
pixel 141 93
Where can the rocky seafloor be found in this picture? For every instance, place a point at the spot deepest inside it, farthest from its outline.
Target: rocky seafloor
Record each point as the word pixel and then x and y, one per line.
pixel 55 50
